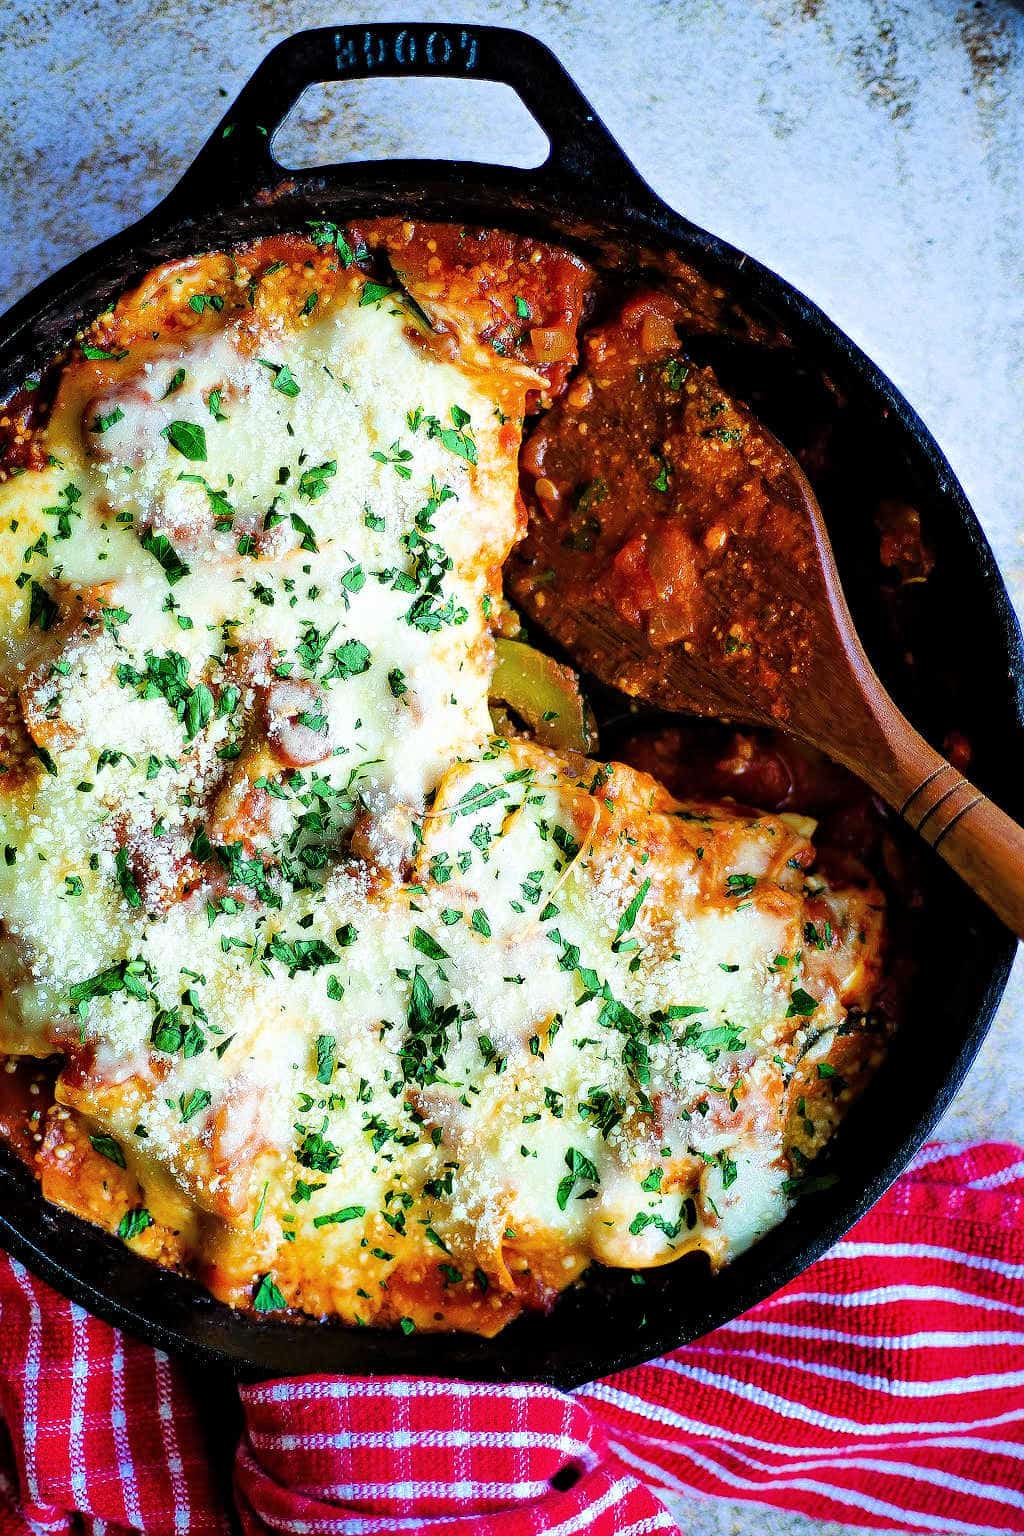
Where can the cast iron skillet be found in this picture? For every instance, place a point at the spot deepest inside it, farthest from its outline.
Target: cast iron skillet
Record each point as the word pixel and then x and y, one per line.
pixel 960 622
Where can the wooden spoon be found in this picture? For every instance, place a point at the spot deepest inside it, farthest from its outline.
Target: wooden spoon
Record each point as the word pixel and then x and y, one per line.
pixel 756 632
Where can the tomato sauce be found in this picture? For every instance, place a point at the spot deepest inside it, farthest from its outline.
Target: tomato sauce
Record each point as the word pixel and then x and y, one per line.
pixel 26 1093
pixel 652 492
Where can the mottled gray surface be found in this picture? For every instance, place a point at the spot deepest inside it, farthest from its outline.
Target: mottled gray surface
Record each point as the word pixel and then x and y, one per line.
pixel 871 151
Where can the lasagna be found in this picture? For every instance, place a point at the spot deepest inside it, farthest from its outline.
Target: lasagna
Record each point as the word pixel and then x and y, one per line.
pixel 331 972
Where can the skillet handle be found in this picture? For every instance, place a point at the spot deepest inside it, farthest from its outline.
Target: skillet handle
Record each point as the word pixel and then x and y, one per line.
pixel 237 162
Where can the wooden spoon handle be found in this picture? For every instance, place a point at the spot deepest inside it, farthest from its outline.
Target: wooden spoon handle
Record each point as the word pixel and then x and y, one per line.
pixel 972 834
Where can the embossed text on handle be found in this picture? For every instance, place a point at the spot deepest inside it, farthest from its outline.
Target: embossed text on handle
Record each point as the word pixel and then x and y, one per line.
pixel 365 50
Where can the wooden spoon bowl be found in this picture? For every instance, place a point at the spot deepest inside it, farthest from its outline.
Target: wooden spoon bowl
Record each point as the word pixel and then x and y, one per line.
pixel 693 571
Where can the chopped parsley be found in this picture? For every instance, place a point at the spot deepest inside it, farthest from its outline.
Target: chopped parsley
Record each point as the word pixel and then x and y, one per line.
pixel 661 479
pixel 332 1218
pixel 102 423
pixel 100 354
pixel 398 458
pixel 126 879
pixel 324 232
pixel 43 612
pixel 166 677
pixel 581 1169
pixel 267 1296
pixel 455 437
pixel 133 1223
pixel 203 301
pixel 313 481
pixel 300 954
pixel 422 1054
pixel 801 1004
pixel 188 438
pixel 631 914
pixel 107 1147
pixel 284 381
pixel 316 1152
pixel 128 976
pixel 427 945
pixel 326 1058
pixel 374 293
pixel 165 555
pixel 192 1104
pixel 348 660
pixel 644 1219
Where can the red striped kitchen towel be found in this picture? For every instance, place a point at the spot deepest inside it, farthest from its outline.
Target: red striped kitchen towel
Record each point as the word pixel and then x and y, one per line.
pixel 885 1388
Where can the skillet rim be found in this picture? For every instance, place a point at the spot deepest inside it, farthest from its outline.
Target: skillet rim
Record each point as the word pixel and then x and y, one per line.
pixel 588 177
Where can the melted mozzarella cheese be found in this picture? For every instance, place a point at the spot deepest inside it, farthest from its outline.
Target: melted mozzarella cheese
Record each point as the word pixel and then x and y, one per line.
pixel 383 1017
pixel 383 540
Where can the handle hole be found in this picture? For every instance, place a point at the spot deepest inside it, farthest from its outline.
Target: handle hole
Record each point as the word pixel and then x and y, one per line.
pixel 343 121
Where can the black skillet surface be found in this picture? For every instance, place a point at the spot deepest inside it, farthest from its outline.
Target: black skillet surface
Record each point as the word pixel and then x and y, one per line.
pixel 969 674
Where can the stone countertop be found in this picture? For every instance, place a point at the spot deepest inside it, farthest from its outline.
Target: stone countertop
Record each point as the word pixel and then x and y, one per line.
pixel 872 153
